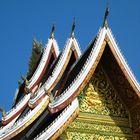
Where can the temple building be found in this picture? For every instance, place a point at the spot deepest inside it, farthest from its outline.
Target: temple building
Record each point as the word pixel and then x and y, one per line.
pixel 70 95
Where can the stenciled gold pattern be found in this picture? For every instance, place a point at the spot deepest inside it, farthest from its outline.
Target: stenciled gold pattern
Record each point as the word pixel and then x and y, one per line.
pixel 102 114
pixel 99 127
pixel 87 136
pixel 99 97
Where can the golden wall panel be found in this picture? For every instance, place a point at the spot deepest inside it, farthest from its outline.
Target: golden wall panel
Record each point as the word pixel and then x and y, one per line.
pixel 102 115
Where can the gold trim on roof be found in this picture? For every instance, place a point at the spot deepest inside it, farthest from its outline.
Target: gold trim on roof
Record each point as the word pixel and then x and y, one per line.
pixel 29 122
pixel 65 125
pixel 121 65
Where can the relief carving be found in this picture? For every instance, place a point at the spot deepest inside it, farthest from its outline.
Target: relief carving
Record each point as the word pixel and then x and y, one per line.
pixel 98 100
pixel 121 83
pixel 99 97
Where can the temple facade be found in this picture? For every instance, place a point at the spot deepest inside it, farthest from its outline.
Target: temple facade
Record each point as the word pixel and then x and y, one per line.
pixel 70 95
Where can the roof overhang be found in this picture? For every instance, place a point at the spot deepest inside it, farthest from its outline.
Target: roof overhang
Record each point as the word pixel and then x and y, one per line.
pixel 104 36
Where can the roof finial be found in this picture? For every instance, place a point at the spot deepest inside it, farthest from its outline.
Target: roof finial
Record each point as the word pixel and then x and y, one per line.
pixel 73 28
pixel 52 32
pixel 105 24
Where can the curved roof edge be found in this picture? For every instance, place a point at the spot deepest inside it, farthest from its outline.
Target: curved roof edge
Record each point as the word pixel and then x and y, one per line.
pixel 59 68
pixel 10 124
pixel 123 61
pixel 63 119
pixel 51 43
pixel 10 115
pixel 24 122
pixel 73 89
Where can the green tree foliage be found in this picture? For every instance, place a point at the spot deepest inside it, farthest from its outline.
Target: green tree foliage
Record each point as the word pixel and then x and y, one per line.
pixel 3 112
pixel 37 51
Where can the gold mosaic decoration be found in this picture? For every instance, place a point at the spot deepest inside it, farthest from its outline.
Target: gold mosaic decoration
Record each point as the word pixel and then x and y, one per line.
pixel 102 115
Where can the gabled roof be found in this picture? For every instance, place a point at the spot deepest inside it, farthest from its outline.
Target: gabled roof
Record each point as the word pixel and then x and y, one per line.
pixel 60 66
pixel 51 47
pixel 78 76
pixel 77 82
pixel 16 110
pixel 73 89
pixel 24 122
pixel 71 46
pixel 67 115
pixel 122 62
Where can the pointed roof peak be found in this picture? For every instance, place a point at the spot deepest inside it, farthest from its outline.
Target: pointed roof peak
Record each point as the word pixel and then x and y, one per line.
pixel 73 27
pixel 52 32
pixel 105 23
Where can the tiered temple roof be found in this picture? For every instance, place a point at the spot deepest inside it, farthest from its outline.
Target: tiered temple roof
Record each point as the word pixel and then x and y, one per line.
pixel 51 96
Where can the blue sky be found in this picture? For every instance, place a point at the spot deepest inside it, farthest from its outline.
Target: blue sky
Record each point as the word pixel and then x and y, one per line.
pixel 22 20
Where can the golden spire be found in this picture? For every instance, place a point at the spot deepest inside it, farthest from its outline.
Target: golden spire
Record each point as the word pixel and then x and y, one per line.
pixel 105 23
pixel 73 28
pixel 52 32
